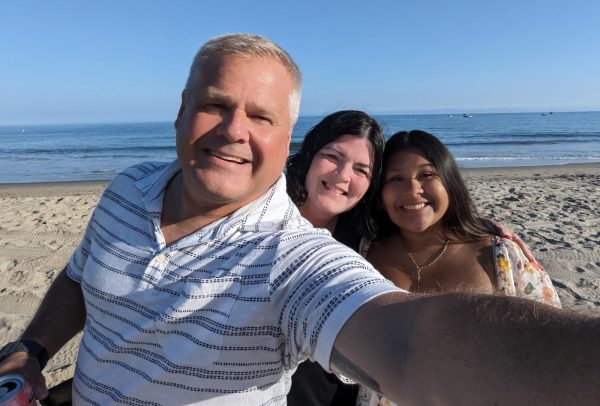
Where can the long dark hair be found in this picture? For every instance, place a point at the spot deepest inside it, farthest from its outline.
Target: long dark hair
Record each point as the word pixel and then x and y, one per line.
pixel 461 221
pixel 359 221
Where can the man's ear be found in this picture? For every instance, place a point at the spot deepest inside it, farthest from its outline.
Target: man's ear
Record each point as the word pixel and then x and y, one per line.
pixel 181 110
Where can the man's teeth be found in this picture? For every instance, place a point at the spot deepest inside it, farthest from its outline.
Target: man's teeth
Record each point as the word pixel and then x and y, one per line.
pixel 227 158
pixel 414 206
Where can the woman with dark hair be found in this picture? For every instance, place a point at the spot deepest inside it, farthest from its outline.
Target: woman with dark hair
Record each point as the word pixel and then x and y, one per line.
pixel 332 180
pixel 330 177
pixel 430 237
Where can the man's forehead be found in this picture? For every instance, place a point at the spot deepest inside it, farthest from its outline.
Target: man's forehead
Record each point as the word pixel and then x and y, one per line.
pixel 218 74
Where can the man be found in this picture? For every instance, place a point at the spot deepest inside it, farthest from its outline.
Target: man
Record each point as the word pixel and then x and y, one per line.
pixel 198 281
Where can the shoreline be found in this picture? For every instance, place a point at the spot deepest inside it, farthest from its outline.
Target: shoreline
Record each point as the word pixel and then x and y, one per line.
pixel 61 188
pixel 70 187
pixel 584 168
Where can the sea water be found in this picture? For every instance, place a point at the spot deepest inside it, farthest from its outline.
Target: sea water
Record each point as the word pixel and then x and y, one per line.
pixel 99 151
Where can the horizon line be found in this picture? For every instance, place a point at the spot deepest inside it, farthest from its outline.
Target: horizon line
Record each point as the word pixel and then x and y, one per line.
pixel 423 112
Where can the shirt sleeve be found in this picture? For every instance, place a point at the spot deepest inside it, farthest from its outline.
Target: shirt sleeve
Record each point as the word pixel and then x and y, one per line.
pixel 331 284
pixel 80 255
pixel 516 276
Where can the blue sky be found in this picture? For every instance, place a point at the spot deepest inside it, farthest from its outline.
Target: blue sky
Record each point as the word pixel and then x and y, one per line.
pixel 126 61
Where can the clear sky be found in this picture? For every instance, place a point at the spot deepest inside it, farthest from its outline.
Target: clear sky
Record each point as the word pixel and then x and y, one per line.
pixel 127 61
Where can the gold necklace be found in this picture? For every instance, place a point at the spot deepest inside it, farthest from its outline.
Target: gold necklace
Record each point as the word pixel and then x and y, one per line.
pixel 420 268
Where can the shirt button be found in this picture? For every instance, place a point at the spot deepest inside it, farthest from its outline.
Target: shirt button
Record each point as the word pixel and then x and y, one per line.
pixel 161 258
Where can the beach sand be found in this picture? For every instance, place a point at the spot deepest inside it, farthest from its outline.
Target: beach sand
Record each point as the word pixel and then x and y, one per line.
pixel 554 208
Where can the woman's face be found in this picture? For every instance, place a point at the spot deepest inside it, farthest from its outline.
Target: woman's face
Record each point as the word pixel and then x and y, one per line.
pixel 338 177
pixel 413 195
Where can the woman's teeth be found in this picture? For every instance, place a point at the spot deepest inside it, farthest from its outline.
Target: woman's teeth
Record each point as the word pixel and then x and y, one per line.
pixel 414 206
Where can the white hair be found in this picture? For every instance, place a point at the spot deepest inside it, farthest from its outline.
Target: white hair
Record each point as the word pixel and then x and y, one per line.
pixel 250 45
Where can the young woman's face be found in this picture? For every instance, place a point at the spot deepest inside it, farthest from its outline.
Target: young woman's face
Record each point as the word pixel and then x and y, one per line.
pixel 413 194
pixel 339 176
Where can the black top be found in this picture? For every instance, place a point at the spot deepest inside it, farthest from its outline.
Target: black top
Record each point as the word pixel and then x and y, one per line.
pixel 312 385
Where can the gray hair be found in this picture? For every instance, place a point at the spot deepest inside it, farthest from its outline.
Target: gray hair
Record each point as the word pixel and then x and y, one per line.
pixel 250 45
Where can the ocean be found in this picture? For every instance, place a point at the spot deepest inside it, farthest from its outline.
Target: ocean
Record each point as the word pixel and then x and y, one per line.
pixel 42 153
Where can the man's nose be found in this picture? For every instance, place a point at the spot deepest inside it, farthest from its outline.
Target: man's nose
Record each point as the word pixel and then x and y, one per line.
pixel 233 126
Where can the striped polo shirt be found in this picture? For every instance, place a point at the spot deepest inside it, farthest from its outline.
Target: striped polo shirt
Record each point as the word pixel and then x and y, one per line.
pixel 222 316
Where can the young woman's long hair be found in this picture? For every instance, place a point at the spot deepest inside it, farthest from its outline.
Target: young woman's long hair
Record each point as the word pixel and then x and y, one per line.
pixel 461 221
pixel 359 221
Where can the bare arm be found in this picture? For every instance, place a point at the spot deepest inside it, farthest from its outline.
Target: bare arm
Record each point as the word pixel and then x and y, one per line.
pixel 60 316
pixel 456 349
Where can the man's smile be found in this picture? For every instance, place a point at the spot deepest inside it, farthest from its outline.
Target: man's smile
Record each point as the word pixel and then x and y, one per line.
pixel 228 158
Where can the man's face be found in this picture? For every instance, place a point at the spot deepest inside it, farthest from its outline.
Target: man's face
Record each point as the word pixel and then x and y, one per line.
pixel 233 130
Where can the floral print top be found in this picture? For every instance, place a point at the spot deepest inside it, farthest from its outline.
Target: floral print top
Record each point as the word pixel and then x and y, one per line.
pixel 515 276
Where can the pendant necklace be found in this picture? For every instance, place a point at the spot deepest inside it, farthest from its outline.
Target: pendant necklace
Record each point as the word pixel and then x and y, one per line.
pixel 420 268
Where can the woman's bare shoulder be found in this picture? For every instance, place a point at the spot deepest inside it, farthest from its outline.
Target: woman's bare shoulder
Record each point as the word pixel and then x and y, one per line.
pixel 389 259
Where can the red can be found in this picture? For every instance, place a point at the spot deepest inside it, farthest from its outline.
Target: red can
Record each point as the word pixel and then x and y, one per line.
pixel 15 391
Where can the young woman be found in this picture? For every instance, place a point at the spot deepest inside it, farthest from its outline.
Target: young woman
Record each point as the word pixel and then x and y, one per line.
pixel 330 179
pixel 430 237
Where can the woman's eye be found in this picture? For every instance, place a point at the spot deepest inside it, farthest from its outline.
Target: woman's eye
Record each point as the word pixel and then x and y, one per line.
pixel 395 179
pixel 426 175
pixel 363 172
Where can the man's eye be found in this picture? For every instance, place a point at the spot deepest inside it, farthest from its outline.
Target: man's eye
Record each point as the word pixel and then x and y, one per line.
pixel 261 120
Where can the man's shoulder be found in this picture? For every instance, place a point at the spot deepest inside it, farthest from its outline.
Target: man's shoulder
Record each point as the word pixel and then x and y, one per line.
pixel 141 170
pixel 128 177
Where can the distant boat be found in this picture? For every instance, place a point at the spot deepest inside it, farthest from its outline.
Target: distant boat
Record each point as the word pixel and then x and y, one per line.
pixel 450 115
pixel 467 115
pixel 544 114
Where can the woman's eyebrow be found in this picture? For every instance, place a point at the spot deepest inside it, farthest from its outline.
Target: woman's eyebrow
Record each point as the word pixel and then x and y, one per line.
pixel 427 165
pixel 421 166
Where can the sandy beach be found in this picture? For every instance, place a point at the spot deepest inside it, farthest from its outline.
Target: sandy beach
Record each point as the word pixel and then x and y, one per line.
pixel 554 208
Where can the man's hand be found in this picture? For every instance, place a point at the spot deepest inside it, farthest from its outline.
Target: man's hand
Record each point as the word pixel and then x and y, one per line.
pixel 60 316
pixel 28 366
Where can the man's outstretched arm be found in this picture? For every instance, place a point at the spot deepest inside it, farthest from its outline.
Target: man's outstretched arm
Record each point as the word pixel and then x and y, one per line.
pixel 60 316
pixel 458 349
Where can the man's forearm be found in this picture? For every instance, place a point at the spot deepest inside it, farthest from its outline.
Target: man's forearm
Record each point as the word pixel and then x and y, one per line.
pixel 60 316
pixel 485 349
pixel 459 349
